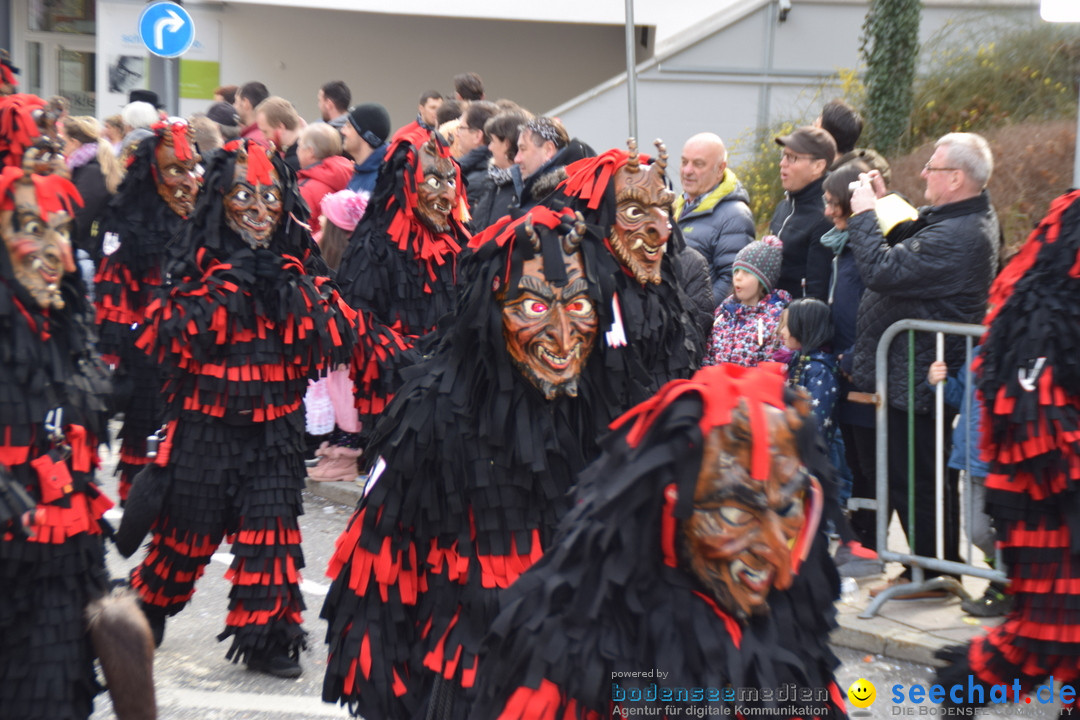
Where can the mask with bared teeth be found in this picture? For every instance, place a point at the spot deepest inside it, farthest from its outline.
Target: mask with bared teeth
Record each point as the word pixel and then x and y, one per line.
pixel 739 540
pixel 36 235
pixel 176 166
pixel 253 205
pixel 642 215
pixel 549 316
pixel 436 188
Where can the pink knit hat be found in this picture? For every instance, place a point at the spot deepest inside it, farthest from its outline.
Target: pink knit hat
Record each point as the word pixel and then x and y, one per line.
pixel 344 208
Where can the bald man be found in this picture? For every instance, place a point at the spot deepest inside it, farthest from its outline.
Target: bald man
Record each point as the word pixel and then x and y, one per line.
pixel 713 211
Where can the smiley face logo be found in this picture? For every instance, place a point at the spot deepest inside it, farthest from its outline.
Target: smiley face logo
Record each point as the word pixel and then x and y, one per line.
pixel 862 693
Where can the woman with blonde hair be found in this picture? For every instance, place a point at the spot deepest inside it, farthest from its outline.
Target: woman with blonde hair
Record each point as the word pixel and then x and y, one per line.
pixel 96 173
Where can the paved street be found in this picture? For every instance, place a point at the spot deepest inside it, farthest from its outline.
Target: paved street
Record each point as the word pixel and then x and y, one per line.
pixel 196 682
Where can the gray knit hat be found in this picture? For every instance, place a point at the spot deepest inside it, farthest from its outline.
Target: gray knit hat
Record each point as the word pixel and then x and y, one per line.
pixel 762 259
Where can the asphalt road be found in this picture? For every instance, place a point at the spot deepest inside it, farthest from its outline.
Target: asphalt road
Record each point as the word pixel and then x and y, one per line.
pixel 194 680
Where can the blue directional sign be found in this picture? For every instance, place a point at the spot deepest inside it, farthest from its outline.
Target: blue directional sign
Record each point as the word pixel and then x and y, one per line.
pixel 166 29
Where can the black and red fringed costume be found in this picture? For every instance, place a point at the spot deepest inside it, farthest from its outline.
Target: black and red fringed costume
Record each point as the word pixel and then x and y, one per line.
pixel 241 328
pixel 52 561
pixel 651 339
pixel 1029 377
pixel 471 468
pixel 612 598
pixel 18 127
pixel 134 234
pixel 397 266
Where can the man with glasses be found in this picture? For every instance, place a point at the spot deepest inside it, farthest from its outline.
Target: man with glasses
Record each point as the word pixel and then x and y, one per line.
pixel 937 267
pixel 799 221
pixel 474 142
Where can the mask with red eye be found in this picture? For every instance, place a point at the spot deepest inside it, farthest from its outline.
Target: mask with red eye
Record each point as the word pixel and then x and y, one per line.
pixel 39 249
pixel 254 211
pixel 550 330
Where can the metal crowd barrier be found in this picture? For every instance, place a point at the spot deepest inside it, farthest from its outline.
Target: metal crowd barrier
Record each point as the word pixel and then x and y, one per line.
pixel 919 564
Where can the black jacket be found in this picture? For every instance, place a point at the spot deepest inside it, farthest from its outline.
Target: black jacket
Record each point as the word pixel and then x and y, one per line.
pixel 488 202
pixel 941 270
pixel 799 221
pixel 474 167
pixel 692 272
pixel 91 185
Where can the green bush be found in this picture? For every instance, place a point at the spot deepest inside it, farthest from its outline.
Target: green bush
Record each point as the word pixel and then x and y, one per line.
pixel 982 76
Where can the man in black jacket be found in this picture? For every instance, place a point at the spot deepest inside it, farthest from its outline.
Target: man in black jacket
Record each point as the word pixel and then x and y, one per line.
pixel 474 141
pixel 799 221
pixel 941 269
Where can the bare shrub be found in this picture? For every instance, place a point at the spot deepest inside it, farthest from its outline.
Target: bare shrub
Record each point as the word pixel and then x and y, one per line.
pixel 1033 164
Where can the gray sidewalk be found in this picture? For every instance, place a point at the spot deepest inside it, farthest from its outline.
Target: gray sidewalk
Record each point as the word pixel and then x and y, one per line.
pixel 909 630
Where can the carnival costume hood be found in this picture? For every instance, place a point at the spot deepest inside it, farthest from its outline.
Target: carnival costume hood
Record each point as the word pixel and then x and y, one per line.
pixel 625 199
pixel 472 462
pixel 402 261
pixel 1029 377
pixel 53 389
pixel 623 589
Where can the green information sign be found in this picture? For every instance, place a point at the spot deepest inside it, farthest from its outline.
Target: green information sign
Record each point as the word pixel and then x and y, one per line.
pixel 199 79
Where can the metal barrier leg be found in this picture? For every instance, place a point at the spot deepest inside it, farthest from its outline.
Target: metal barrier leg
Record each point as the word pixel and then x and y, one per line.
pixel 919 583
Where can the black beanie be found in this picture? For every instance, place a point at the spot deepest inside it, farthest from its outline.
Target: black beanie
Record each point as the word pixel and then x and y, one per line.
pixel 372 122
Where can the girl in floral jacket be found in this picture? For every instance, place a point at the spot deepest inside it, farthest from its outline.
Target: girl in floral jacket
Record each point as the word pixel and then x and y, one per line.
pixel 745 324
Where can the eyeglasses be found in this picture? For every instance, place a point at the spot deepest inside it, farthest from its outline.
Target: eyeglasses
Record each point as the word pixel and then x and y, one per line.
pixel 791 158
pixel 930 168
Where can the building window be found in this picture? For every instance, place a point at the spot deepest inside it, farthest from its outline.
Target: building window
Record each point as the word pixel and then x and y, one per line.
pixel 78 17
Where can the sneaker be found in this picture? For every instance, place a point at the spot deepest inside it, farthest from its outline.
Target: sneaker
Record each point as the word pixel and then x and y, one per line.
pixel 993 603
pixel 849 564
pixel 275 662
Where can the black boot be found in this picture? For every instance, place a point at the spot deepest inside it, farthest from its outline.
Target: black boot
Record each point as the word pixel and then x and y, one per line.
pixel 275 661
pixel 156 617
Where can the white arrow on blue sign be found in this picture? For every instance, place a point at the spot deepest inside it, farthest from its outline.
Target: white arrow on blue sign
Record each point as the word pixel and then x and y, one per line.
pixel 166 29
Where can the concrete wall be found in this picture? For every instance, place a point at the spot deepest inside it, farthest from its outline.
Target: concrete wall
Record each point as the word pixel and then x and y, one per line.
pixel 743 70
pixel 392 59
pixel 668 18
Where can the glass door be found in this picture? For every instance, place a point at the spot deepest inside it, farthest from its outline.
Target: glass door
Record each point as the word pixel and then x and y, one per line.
pixel 58 50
